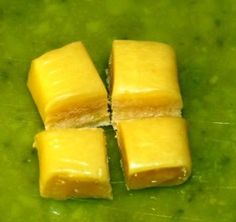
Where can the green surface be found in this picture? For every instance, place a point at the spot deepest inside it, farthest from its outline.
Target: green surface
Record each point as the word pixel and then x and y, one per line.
pixel 204 36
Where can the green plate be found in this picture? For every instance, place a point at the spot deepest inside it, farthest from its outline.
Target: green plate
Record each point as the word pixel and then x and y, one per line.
pixel 203 34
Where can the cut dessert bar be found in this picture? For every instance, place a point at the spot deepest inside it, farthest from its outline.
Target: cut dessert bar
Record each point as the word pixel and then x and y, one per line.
pixel 73 163
pixel 67 88
pixel 143 80
pixel 154 151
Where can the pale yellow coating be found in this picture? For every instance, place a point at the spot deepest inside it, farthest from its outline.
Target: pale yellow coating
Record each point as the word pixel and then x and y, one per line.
pixel 66 88
pixel 155 151
pixel 73 163
pixel 144 81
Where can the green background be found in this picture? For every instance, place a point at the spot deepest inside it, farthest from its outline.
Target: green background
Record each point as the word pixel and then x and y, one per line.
pixel 204 36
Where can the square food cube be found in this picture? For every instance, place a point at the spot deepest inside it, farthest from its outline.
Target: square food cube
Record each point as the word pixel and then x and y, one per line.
pixel 154 151
pixel 67 88
pixel 143 80
pixel 73 163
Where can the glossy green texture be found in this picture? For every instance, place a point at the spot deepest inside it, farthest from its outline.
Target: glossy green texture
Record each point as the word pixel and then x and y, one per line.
pixel 204 36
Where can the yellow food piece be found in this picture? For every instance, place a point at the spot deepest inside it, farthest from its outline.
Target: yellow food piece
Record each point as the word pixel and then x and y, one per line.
pixel 73 163
pixel 144 80
pixel 67 89
pixel 154 151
